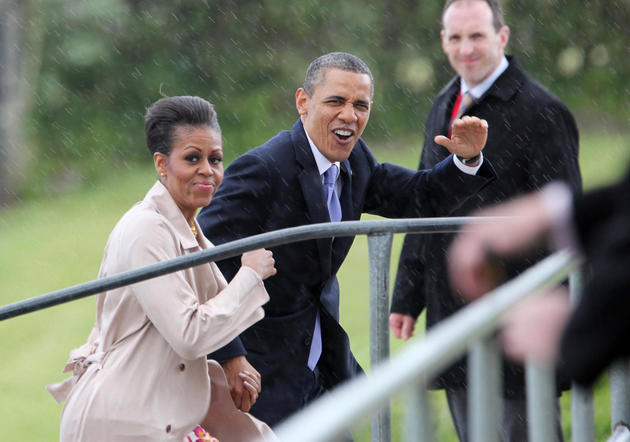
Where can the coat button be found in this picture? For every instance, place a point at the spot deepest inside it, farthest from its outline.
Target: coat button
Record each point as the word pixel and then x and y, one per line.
pixel 307 341
pixel 181 367
pixel 168 428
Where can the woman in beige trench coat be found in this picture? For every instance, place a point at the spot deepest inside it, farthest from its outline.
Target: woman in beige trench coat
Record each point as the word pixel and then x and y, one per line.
pixel 143 374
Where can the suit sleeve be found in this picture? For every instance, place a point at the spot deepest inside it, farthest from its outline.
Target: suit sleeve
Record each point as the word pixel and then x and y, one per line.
pixel 236 203
pixel 594 208
pixel 598 331
pixel 397 192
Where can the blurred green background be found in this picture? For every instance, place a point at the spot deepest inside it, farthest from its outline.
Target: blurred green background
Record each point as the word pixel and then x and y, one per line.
pixel 77 76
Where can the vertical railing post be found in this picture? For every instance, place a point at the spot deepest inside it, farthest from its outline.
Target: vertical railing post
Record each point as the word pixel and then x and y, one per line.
pixel 541 402
pixel 619 392
pixel 418 415
pixel 484 391
pixel 582 412
pixel 380 250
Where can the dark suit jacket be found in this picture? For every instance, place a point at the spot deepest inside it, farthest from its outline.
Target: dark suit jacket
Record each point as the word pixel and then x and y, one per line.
pixel 277 185
pixel 598 331
pixel 532 139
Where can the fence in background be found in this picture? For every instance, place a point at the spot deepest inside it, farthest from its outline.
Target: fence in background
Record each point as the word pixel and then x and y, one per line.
pixel 472 328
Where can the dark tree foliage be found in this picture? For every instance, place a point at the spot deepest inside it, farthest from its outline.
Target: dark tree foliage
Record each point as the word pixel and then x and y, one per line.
pixel 102 62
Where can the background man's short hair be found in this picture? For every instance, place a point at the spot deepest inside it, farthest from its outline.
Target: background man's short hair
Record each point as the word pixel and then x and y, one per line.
pixel 498 21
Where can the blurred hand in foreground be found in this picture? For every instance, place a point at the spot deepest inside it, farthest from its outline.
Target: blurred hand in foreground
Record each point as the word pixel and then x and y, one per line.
pixel 473 254
pixel 532 329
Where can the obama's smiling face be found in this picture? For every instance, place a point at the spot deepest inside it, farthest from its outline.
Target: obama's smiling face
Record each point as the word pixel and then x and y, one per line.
pixel 337 111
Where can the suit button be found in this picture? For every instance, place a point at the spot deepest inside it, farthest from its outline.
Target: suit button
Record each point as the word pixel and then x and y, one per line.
pixel 168 428
pixel 181 367
pixel 307 341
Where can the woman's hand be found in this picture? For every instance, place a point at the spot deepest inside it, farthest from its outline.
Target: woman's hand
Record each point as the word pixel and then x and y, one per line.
pixel 244 382
pixel 261 261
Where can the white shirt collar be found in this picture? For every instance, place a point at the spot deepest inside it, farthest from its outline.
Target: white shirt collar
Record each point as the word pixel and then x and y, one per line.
pixel 323 163
pixel 482 87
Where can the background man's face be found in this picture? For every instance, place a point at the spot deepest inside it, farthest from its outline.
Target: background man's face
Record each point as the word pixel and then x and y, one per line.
pixel 337 112
pixel 474 48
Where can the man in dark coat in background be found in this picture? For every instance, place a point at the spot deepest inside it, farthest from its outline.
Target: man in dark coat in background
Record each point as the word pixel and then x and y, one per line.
pixel 532 140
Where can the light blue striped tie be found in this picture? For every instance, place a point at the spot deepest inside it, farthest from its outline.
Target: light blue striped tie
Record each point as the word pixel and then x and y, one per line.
pixel 330 293
pixel 332 200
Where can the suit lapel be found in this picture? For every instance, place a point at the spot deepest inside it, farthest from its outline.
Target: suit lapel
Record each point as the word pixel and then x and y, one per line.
pixel 446 99
pixel 508 83
pixel 312 190
pixel 345 199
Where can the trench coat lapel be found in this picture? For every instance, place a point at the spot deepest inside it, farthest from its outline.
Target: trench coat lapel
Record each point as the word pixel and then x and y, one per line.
pixel 204 277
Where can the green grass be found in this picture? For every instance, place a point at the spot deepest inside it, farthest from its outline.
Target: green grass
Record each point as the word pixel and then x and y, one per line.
pixel 53 242
pixel 48 244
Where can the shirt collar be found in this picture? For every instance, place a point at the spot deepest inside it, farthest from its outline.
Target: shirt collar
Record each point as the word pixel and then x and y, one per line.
pixel 482 87
pixel 323 163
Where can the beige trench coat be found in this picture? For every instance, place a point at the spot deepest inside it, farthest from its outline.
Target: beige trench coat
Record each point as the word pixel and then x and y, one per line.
pixel 142 375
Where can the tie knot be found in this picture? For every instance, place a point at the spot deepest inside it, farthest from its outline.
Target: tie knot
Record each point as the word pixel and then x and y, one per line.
pixel 330 176
pixel 468 98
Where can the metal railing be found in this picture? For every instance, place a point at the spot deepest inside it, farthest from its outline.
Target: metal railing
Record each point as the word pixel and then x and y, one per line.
pixel 235 248
pixel 414 367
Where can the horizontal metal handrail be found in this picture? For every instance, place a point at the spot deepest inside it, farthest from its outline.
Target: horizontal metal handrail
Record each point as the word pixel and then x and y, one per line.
pixel 418 363
pixel 235 248
pixel 473 324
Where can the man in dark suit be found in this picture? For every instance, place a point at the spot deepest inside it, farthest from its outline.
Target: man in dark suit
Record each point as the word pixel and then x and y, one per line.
pixel 587 339
pixel 299 348
pixel 543 146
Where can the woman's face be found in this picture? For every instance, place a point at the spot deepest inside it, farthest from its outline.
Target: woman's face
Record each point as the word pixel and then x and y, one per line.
pixel 194 169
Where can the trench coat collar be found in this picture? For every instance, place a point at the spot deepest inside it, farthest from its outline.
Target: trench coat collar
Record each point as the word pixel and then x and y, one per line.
pixel 160 198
